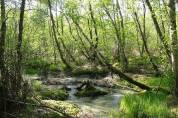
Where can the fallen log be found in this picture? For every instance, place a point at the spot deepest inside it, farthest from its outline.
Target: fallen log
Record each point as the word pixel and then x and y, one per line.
pixel 114 70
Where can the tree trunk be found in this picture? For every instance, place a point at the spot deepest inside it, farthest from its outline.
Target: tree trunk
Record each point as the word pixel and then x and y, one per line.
pixel 142 33
pixel 173 37
pixel 55 36
pixel 19 45
pixel 2 39
pixel 158 29
pixel 121 54
pixel 95 31
pixel 2 60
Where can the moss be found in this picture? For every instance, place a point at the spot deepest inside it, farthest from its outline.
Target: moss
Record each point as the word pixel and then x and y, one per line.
pixel 49 93
pixel 63 107
pixel 90 92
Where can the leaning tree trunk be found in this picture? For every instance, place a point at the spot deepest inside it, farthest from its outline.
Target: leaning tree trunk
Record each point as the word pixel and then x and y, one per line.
pixel 142 33
pixel 122 55
pixel 158 30
pixel 55 36
pixel 173 37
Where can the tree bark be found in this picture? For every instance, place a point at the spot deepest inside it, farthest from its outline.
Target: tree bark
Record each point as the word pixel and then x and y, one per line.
pixel 2 39
pixel 2 58
pixel 19 45
pixel 173 37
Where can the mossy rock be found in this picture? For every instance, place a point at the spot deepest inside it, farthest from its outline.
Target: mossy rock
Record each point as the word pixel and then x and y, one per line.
pixel 90 92
pixel 55 94
pixel 64 108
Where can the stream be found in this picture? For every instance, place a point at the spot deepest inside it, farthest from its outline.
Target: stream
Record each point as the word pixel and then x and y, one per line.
pixel 98 107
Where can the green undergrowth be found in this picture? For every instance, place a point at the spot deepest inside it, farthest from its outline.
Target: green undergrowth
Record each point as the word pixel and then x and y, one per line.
pixel 89 71
pixel 148 104
pixel 49 93
pixel 39 66
pixel 165 81
pixel 141 64
pixel 144 105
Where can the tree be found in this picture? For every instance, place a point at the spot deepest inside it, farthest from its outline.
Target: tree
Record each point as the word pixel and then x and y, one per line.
pixel 55 36
pixel 159 32
pixel 121 53
pixel 2 39
pixel 173 37
pixel 143 37
pixel 19 45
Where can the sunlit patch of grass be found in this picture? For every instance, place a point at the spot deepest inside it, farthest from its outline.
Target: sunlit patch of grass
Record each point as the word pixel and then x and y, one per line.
pixel 144 105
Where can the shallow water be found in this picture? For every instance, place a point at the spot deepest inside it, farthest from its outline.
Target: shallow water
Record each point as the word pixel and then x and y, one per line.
pixel 98 107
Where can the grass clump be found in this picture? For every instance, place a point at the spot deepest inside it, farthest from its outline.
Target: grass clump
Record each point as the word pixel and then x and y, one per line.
pixel 37 86
pixel 145 105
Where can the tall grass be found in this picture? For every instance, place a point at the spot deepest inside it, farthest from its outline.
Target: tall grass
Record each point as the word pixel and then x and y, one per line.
pixel 145 105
